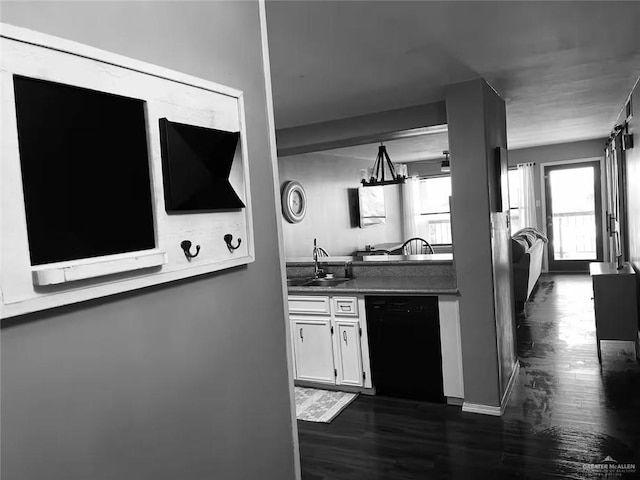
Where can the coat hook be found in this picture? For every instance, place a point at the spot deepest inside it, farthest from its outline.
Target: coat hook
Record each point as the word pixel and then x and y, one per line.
pixel 228 238
pixel 186 246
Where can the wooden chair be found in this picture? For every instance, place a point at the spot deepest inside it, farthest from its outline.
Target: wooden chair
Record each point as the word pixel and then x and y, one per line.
pixel 416 246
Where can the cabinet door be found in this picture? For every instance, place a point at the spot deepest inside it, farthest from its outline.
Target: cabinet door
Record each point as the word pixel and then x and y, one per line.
pixel 313 349
pixel 349 352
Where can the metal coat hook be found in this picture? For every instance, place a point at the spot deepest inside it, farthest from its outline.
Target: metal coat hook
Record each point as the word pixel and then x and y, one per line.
pixel 228 238
pixel 186 246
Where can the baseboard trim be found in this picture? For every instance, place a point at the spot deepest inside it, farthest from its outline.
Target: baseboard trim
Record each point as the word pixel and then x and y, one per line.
pixel 491 409
pixel 512 380
pixel 332 387
pixel 482 409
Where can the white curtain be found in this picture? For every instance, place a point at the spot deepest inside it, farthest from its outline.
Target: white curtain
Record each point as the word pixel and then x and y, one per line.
pixel 527 200
pixel 410 207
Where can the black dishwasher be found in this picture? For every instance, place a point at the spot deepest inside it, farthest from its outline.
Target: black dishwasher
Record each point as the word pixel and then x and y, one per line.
pixel 404 345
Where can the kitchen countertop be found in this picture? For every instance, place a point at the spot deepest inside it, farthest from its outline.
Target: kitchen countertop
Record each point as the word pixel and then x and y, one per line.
pixel 430 259
pixel 385 285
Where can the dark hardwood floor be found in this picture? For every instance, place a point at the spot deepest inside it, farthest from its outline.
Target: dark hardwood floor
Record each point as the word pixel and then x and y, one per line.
pixel 566 413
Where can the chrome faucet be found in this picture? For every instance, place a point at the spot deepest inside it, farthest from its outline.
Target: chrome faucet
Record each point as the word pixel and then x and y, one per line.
pixel 317 272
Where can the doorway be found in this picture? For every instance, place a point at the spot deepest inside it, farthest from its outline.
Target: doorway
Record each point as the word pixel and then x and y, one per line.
pixel 574 215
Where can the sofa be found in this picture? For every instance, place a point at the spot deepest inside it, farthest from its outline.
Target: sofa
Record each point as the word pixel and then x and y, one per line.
pixel 527 248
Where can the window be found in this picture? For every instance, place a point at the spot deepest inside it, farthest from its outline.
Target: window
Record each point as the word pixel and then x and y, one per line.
pixel 514 198
pixel 434 221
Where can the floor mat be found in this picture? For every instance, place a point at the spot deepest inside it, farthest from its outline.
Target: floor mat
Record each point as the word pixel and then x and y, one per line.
pixel 313 405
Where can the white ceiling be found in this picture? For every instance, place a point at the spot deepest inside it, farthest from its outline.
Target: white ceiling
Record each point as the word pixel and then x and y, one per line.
pixel 564 68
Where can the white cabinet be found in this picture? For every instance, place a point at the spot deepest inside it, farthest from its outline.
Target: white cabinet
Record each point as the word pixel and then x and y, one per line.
pixel 345 306
pixel 348 353
pixel 313 349
pixel 329 340
pixel 309 305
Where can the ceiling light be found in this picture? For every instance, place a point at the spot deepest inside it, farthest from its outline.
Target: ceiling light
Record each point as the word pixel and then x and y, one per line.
pixel 445 166
pixel 382 164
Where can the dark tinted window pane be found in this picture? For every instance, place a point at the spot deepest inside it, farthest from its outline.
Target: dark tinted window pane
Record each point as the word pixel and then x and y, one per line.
pixel 85 171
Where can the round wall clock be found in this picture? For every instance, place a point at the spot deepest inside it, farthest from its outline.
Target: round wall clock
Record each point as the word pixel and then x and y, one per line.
pixel 294 202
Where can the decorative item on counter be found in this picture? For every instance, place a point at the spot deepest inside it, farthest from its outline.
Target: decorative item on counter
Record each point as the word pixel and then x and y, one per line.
pixel 377 174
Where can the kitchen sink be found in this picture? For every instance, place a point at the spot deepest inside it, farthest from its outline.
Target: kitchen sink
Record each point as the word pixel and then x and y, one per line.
pixel 315 282
pixel 296 282
pixel 325 282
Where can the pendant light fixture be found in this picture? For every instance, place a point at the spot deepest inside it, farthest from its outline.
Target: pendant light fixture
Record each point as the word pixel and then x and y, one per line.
pixel 383 171
pixel 445 166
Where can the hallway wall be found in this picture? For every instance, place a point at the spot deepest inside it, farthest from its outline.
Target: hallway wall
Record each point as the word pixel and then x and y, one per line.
pixel 632 158
pixel 183 381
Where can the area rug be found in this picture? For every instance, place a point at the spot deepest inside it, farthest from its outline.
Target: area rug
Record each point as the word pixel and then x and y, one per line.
pixel 313 405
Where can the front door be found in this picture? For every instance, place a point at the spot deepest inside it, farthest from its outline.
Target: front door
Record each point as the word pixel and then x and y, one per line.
pixel 574 221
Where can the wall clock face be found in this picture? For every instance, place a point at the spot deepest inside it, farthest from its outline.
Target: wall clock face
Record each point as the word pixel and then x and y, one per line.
pixel 294 202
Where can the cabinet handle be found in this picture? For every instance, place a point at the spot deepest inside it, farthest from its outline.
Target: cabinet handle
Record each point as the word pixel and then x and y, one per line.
pixel 344 335
pixel 301 336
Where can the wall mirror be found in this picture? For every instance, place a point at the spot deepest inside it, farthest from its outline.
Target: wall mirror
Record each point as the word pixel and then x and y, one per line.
pixel 354 222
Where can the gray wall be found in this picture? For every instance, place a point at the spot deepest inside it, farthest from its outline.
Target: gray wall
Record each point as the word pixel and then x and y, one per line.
pixel 425 169
pixel 495 125
pixel 632 159
pixel 182 381
pixel 331 183
pixel 476 121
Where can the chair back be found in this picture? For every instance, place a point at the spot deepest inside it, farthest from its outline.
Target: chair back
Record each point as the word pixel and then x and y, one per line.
pixel 322 252
pixel 416 246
